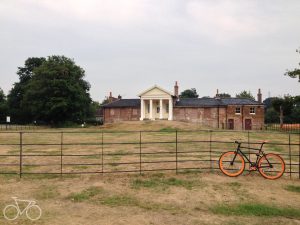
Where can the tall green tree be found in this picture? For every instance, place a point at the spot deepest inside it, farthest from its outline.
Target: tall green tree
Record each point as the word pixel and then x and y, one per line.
pixel 245 94
pixel 295 72
pixel 3 106
pixel 189 93
pixel 18 112
pixel 290 107
pixel 57 92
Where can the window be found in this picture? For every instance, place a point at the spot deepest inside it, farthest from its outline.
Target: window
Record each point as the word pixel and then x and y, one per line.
pixel 167 108
pixel 252 110
pixel 148 108
pixel 238 110
pixel 157 109
pixel 112 112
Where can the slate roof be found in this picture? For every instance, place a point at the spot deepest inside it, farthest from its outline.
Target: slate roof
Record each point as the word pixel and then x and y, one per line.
pixel 213 102
pixel 122 103
pixel 187 102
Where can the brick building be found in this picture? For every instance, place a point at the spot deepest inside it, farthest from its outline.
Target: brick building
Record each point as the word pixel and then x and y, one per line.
pixel 158 104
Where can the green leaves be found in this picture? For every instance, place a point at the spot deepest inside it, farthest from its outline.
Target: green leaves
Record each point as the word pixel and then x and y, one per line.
pixel 51 90
pixel 189 93
pixel 245 94
pixel 294 73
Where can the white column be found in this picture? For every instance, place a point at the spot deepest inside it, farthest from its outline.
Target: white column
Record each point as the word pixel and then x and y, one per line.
pixel 142 109
pixel 160 109
pixel 170 109
pixel 151 110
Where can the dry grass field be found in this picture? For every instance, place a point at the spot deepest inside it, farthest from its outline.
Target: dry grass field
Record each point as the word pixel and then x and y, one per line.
pixel 159 197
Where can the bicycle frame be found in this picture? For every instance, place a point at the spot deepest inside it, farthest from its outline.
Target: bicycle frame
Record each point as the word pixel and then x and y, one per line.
pixel 259 155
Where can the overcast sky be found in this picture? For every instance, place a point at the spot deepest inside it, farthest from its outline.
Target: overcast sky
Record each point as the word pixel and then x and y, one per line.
pixel 127 46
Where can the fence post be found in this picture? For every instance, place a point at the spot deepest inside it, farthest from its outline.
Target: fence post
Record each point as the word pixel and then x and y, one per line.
pixel 299 155
pixel 140 152
pixel 210 147
pixel 290 154
pixel 176 152
pixel 249 144
pixel 21 152
pixel 61 153
pixel 102 154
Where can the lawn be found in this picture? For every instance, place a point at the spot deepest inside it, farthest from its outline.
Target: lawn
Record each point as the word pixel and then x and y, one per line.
pixel 195 196
pixel 156 198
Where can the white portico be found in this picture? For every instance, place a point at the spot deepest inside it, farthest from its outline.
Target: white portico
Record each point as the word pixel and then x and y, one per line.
pixel 156 103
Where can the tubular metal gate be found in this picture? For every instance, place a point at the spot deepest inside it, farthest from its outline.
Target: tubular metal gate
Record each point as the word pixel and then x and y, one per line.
pixel 134 151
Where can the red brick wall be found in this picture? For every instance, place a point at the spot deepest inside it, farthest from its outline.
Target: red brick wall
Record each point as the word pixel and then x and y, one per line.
pixel 112 115
pixel 257 119
pixel 209 117
pixel 205 116
pixel 218 117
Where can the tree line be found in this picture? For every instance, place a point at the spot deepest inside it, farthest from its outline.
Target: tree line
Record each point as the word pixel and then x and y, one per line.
pixel 287 107
pixel 53 91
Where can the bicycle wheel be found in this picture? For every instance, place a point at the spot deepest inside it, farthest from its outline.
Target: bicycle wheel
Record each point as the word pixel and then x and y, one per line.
pixel 34 212
pixel 229 168
pixel 11 212
pixel 271 166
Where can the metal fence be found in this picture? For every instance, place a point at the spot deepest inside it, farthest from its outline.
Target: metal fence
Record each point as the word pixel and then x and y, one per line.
pixel 60 153
pixel 16 127
pixel 290 127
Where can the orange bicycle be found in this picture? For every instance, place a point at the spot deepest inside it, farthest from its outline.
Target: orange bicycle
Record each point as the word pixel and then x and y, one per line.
pixel 270 166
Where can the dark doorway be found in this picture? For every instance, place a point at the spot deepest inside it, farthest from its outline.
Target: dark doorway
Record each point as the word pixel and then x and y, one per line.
pixel 230 124
pixel 248 124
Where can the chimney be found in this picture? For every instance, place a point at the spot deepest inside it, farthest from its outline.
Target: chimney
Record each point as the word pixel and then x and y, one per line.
pixel 176 90
pixel 217 95
pixel 110 98
pixel 119 97
pixel 259 96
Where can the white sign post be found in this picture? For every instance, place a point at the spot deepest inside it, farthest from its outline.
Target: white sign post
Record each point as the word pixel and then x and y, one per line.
pixel 7 121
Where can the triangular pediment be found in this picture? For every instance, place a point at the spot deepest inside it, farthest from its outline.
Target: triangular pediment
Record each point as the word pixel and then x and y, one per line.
pixel 155 91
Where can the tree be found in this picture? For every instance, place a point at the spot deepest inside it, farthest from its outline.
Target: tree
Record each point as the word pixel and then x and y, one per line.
pixel 189 93
pixel 245 94
pixel 3 106
pixel 286 103
pixel 294 73
pixel 54 91
pixel 17 111
pixel 224 95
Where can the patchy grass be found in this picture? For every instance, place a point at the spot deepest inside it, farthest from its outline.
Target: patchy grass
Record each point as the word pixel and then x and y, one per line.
pixel 46 192
pixel 168 129
pixel 256 209
pixel 293 188
pixel 96 195
pixel 86 194
pixel 164 183
pixel 234 185
pixel 119 200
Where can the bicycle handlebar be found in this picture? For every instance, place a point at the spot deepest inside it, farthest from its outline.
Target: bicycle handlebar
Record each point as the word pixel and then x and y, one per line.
pixel 262 142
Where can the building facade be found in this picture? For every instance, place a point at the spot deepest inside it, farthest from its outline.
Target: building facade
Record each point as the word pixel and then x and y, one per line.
pixel 157 103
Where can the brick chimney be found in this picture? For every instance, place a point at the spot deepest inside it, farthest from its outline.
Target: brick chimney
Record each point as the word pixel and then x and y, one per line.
pixel 217 94
pixel 110 98
pixel 259 96
pixel 176 89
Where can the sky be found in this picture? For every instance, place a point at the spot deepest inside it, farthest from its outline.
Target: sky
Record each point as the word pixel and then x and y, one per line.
pixel 127 46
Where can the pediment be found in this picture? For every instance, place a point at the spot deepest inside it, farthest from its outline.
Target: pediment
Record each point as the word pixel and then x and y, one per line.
pixel 155 91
